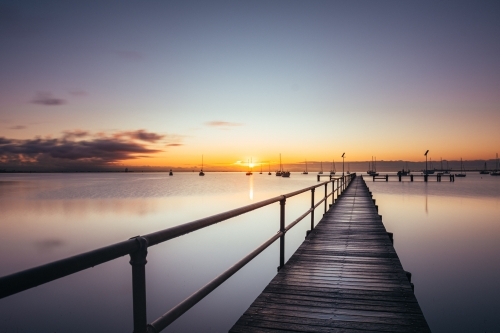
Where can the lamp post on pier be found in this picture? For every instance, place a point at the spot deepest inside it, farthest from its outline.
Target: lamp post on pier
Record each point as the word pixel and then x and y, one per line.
pixel 343 164
pixel 426 161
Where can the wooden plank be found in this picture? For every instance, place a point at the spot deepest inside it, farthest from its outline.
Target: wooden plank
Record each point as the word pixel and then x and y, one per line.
pixel 345 277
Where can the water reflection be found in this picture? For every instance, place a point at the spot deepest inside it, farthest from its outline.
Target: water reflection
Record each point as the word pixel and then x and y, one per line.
pixel 53 216
pixel 426 199
pixel 250 181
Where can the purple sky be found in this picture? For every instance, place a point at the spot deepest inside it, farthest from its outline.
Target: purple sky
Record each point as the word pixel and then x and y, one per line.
pixel 236 80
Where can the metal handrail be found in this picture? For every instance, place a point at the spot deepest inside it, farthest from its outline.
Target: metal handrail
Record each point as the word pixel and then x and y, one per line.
pixel 137 247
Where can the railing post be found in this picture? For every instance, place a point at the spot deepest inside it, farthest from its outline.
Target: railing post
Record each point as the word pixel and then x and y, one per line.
pixel 326 193
pixel 282 229
pixel 138 262
pixel 333 191
pixel 312 206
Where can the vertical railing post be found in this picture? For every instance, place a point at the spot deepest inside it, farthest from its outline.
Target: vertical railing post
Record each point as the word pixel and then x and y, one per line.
pixel 138 262
pixel 312 207
pixel 338 189
pixel 282 229
pixel 326 193
pixel 333 191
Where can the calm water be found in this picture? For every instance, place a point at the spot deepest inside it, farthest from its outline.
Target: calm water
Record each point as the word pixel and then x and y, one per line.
pixel 446 234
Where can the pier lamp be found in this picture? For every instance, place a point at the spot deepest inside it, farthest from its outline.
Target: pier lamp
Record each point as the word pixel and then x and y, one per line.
pixel 426 161
pixel 343 164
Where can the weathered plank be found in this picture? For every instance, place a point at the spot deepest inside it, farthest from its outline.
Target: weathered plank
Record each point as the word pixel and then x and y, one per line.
pixel 345 277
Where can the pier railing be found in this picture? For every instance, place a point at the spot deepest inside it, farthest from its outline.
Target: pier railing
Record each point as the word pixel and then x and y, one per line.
pixel 137 248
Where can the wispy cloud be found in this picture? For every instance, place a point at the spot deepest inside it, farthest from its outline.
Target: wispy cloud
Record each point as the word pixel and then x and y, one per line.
pixel 218 123
pixel 18 127
pixel 74 134
pixel 144 136
pixel 46 98
pixel 174 145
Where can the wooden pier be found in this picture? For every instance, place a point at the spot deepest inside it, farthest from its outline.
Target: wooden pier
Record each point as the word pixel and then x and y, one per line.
pixel 345 277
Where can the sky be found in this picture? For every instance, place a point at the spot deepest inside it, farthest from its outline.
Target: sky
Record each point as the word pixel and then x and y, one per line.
pixel 160 83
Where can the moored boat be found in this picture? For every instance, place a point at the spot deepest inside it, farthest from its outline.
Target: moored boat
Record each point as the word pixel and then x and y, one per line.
pixel 201 171
pixel 496 172
pixel 462 172
pixel 305 172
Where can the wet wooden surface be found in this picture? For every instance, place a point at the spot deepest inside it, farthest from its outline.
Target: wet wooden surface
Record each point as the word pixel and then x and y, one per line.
pixel 345 277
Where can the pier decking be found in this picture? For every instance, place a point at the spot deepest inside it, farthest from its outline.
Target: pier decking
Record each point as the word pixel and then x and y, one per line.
pixel 345 277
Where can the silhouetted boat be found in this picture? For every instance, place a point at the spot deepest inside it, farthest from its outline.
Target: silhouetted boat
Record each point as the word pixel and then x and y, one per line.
pixel 372 170
pixel 269 168
pixel 496 172
pixel 280 171
pixel 348 169
pixel 485 170
pixel 462 172
pixel 333 170
pixel 404 172
pixel 201 171
pixel 260 169
pixel 170 173
pixel 305 172
pixel 321 171
pixel 249 172
pixel 285 174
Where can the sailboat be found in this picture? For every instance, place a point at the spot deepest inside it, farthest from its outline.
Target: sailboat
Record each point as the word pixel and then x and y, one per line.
pixel 447 171
pixel 373 170
pixel 321 171
pixel 269 168
pixel 462 172
pixel 278 173
pixel 305 172
pixel 170 173
pixel 440 172
pixel 348 169
pixel 285 174
pixel 260 169
pixel 404 172
pixel 201 171
pixel 429 171
pixel 496 172
pixel 485 170
pixel 332 172
pixel 249 173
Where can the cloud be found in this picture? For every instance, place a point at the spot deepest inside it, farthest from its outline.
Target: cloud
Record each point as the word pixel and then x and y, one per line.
pixel 45 98
pixel 222 124
pixel 18 127
pixel 145 136
pixel 4 141
pixel 75 149
pixel 74 134
pixel 174 145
